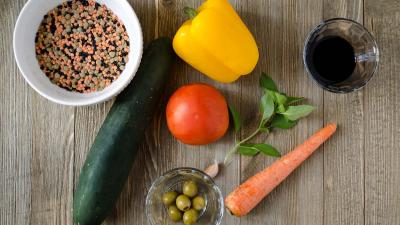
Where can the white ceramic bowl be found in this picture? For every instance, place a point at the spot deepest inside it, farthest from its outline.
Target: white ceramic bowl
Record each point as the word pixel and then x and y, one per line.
pixel 24 50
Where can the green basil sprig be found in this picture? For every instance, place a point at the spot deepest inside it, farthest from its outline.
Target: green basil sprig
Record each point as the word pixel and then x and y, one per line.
pixel 277 111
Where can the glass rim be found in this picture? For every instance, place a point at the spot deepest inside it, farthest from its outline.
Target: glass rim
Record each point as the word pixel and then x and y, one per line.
pixel 214 186
pixel 336 89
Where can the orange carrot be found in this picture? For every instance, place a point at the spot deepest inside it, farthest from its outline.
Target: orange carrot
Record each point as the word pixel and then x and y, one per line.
pixel 242 200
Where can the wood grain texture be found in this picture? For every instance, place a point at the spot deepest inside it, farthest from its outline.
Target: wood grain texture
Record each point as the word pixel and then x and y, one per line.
pixel 15 127
pixel 280 28
pixel 38 171
pixel 52 162
pixel 344 153
pixel 382 118
pixel 170 153
pixel 353 179
pixel 305 198
pixel 129 209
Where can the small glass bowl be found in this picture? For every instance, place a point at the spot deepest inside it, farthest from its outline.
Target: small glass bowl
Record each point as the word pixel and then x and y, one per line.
pixel 173 180
pixel 365 49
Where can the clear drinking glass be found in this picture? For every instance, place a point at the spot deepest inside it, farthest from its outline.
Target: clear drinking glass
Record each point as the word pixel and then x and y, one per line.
pixel 365 49
pixel 173 180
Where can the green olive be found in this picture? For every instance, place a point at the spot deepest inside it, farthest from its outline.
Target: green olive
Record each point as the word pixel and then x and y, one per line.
pixel 190 188
pixel 174 213
pixel 190 217
pixel 198 203
pixel 169 197
pixel 183 202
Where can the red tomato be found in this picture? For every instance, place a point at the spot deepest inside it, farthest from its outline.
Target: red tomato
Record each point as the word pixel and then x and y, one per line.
pixel 197 114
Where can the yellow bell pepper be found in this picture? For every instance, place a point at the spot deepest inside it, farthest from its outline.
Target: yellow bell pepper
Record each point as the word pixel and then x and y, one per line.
pixel 217 42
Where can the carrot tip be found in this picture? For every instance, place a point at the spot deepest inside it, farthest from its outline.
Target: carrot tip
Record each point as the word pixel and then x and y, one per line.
pixel 333 126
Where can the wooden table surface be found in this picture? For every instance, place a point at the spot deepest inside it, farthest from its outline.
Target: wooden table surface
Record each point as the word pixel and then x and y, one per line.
pixel 353 179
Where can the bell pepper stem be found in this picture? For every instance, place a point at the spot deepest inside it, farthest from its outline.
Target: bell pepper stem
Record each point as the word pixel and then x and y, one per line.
pixel 190 12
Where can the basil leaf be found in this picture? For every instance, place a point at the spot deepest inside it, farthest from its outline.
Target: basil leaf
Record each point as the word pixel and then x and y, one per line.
pixel 282 122
pixel 291 100
pixel 235 117
pixel 247 149
pixel 296 112
pixel 267 106
pixel 281 108
pixel 267 149
pixel 254 149
pixel 271 93
pixel 280 98
pixel 267 82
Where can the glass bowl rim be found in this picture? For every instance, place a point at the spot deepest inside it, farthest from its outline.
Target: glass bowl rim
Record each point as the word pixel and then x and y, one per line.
pixel 215 188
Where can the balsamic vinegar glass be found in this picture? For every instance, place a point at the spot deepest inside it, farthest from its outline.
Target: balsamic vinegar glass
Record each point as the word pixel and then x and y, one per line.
pixel 365 51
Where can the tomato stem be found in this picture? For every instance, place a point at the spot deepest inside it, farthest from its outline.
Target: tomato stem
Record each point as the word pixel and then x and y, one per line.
pixel 190 12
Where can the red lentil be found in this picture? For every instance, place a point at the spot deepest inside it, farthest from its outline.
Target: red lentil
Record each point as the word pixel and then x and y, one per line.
pixel 82 46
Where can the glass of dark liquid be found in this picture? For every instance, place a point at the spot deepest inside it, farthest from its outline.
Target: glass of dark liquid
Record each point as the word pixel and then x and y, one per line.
pixel 340 55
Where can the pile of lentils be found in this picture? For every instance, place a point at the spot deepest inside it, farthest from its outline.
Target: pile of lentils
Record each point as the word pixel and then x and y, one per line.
pixel 82 46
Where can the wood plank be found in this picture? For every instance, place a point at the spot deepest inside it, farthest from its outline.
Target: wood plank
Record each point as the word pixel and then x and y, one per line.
pixel 129 209
pixel 280 28
pixel 344 153
pixel 382 118
pixel 52 162
pixel 15 127
pixel 36 170
pixel 169 153
pixel 88 120
pixel 353 179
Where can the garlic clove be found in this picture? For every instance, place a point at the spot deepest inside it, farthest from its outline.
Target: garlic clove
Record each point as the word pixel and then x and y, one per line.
pixel 212 170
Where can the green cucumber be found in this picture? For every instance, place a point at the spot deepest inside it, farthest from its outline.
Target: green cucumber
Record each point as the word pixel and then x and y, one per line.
pixel 112 154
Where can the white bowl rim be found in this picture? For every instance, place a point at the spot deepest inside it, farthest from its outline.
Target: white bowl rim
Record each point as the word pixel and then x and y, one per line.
pixel 88 101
